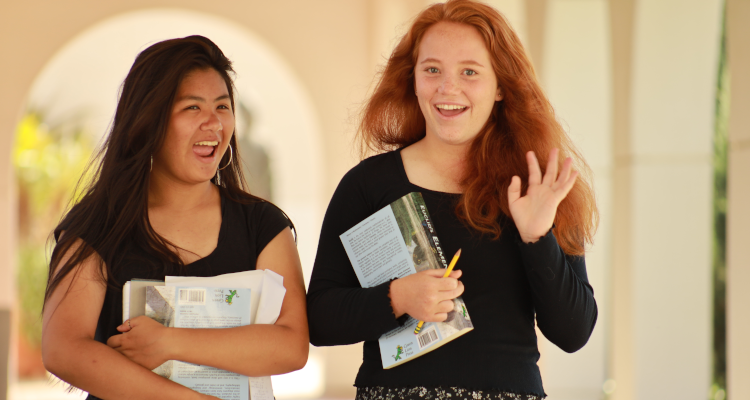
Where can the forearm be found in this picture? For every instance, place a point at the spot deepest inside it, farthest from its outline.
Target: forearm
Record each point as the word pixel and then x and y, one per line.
pixel 105 373
pixel 346 315
pixel 70 351
pixel 339 310
pixel 252 350
pixel 566 310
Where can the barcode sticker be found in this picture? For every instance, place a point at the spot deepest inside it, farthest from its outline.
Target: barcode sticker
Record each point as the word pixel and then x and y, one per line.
pixel 427 337
pixel 192 296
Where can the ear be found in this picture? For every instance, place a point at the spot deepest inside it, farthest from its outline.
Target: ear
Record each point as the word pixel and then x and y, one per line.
pixel 499 94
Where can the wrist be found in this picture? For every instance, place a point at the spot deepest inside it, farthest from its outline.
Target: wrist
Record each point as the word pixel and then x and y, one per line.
pixel 530 239
pixel 392 294
pixel 169 339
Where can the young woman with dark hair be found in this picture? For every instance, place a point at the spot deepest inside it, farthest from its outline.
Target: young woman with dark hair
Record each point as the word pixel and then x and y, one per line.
pixel 167 197
pixel 459 116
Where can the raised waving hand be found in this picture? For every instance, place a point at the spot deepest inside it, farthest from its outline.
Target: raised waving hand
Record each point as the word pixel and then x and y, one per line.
pixel 535 212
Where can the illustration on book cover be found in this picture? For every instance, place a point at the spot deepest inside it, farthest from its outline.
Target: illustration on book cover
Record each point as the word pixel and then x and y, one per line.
pixel 396 241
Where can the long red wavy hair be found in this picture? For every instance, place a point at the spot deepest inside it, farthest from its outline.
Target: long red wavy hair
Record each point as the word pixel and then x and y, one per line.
pixel 524 120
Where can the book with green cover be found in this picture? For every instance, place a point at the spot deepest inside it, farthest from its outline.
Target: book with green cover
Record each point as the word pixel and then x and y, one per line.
pixel 201 307
pixel 258 294
pixel 396 241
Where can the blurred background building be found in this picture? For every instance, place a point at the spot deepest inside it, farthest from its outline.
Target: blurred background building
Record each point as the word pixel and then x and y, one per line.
pixel 655 93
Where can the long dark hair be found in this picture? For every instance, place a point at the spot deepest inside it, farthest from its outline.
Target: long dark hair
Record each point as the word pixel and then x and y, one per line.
pixel 113 209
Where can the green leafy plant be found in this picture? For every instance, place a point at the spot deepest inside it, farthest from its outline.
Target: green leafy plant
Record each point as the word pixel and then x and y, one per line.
pixel 48 162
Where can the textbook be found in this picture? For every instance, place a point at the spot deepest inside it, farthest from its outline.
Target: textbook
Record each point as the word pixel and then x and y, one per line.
pixel 201 307
pixel 221 301
pixel 396 241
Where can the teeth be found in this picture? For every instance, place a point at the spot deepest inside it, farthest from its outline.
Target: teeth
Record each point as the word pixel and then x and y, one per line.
pixel 206 143
pixel 450 107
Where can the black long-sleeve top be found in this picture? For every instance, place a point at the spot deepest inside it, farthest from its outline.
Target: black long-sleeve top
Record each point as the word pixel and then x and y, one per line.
pixel 507 283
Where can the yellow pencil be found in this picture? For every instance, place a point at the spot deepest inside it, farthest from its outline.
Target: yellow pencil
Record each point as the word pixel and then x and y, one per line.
pixel 447 272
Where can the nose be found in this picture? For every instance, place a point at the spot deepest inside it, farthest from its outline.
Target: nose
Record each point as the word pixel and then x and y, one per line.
pixel 212 123
pixel 448 85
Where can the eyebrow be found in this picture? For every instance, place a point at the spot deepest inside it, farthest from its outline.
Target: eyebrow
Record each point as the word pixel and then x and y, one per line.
pixel 466 62
pixel 201 99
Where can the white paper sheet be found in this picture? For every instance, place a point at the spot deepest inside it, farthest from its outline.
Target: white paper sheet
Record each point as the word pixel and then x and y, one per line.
pixel 271 297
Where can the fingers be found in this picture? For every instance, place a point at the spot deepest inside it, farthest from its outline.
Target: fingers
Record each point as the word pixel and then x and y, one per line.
pixel 550 175
pixel 564 174
pixel 125 327
pixel 535 173
pixel 438 273
pixel 566 180
pixel 426 294
pixel 448 283
pixel 565 189
pixel 455 274
pixel 444 306
pixel 442 310
pixel 435 273
pixel 457 291
pixel 514 190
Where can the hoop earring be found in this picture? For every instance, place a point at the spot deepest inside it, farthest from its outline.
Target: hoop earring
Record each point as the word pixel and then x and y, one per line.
pixel 231 154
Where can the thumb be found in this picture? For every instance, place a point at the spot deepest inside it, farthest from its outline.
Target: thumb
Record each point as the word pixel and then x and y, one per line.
pixel 514 189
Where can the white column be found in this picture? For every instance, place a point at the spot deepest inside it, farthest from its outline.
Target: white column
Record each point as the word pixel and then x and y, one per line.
pixel 8 221
pixel 738 199
pixel 577 77
pixel 664 164
pixel 8 241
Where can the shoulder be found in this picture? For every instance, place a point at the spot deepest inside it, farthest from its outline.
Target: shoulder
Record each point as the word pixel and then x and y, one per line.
pixel 67 221
pixel 374 173
pixel 255 210
pixel 267 211
pixel 256 220
pixel 384 162
pixel 75 223
pixel 369 186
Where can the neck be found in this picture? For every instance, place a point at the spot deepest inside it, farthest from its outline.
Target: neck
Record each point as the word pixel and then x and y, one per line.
pixel 178 196
pixel 448 159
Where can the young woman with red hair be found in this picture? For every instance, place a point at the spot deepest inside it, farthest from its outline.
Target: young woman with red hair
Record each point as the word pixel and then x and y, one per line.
pixel 459 116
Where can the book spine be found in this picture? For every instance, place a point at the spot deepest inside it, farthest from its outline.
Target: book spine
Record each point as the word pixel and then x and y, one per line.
pixel 432 236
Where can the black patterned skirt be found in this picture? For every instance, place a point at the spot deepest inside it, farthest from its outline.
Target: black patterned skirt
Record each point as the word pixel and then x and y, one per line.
pixel 439 393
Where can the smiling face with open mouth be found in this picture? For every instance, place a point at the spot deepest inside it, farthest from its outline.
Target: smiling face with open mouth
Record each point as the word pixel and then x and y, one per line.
pixel 201 124
pixel 455 83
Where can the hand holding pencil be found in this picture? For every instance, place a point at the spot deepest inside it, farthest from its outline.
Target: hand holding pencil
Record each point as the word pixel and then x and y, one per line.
pixel 447 273
pixel 427 295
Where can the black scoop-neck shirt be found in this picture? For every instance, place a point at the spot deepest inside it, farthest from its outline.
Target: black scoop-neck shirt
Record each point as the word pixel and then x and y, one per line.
pixel 509 286
pixel 245 231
